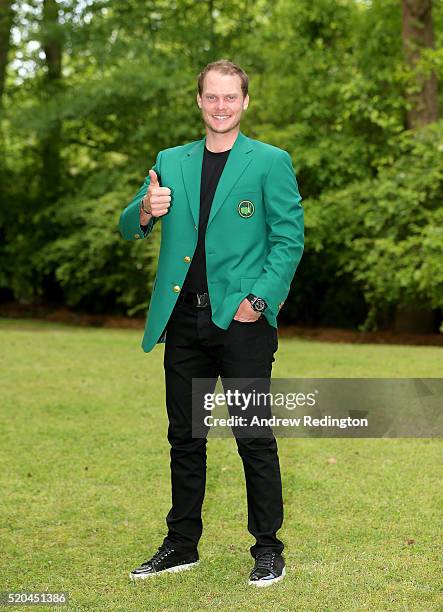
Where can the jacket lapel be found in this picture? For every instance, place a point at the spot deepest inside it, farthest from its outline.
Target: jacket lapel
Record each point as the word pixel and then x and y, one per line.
pixel 191 171
pixel 238 160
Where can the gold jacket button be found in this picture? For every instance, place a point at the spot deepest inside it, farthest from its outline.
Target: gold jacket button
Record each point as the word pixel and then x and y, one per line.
pixel 136 236
pixel 186 259
pixel 176 288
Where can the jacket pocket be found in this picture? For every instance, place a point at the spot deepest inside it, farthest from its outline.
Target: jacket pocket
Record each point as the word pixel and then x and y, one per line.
pixel 246 284
pixel 246 189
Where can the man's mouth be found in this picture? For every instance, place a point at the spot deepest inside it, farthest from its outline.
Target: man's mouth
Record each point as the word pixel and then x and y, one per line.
pixel 221 117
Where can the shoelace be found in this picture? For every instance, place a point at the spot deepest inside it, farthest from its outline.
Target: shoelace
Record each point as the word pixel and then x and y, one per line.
pixel 159 555
pixel 265 560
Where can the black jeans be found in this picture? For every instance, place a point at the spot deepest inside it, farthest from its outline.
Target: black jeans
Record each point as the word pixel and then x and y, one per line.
pixel 197 348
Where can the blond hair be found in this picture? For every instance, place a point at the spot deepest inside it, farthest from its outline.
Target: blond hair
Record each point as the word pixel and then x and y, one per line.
pixel 224 66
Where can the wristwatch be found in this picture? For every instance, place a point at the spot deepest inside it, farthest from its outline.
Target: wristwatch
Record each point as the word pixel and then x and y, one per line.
pixel 257 303
pixel 148 212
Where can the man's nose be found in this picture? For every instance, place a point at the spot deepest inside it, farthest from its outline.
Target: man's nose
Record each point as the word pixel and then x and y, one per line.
pixel 220 105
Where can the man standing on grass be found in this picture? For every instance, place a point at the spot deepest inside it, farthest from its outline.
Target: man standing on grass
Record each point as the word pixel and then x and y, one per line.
pixel 232 237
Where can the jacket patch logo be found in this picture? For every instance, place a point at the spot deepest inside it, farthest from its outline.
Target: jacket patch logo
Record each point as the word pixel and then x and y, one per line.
pixel 245 209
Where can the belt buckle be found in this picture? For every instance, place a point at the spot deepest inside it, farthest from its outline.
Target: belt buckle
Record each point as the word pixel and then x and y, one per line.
pixel 202 300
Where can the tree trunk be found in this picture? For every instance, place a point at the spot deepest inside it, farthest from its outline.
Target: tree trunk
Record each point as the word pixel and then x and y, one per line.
pixel 6 16
pixel 5 37
pixel 418 34
pixel 51 142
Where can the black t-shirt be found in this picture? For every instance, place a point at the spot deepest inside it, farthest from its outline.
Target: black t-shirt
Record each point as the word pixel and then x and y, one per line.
pixel 212 168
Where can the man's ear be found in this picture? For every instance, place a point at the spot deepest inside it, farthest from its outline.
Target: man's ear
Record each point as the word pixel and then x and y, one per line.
pixel 199 101
pixel 246 102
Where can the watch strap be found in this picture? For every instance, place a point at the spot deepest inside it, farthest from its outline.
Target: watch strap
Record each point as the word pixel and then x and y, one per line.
pixel 253 299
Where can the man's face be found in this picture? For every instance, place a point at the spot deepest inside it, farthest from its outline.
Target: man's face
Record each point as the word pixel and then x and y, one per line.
pixel 222 102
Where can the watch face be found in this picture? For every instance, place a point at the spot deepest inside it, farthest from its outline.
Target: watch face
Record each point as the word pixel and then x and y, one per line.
pixel 259 305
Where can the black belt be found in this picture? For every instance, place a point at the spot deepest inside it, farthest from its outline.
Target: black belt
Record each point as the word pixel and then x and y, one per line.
pixel 200 300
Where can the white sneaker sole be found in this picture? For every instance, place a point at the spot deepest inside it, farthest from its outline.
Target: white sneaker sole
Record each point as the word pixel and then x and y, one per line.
pixel 266 583
pixel 171 570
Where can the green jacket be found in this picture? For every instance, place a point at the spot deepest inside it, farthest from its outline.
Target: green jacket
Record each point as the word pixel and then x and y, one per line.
pixel 254 236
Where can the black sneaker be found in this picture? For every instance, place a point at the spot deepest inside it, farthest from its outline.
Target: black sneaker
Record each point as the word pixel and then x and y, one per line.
pixel 166 559
pixel 269 568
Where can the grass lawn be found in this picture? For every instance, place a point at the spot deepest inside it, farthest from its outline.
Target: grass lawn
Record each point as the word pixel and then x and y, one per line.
pixel 85 485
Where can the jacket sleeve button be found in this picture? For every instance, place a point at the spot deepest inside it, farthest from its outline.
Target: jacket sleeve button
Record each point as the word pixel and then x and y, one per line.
pixel 176 288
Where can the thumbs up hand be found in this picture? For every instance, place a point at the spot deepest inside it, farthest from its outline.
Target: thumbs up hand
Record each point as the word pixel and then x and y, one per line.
pixel 157 199
pixel 154 179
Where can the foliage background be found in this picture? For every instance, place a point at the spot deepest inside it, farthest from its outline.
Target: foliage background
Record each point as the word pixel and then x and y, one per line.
pixel 329 83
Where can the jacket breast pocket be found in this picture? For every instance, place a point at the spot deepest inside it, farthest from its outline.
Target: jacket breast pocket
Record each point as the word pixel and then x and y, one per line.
pixel 246 193
pixel 246 205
